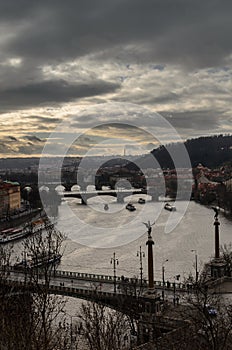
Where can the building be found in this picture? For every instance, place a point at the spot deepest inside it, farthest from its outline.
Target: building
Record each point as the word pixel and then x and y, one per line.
pixel 10 197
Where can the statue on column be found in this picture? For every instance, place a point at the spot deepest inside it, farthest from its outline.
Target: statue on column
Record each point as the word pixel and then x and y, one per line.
pixel 216 212
pixel 149 227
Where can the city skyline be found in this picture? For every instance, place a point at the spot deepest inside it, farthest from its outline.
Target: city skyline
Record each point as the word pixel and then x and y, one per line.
pixel 171 58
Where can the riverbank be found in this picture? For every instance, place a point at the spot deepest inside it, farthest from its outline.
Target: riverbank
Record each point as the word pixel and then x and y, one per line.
pixel 19 219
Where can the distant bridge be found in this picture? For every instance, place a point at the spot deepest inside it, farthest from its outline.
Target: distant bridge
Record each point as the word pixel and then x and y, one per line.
pixel 119 194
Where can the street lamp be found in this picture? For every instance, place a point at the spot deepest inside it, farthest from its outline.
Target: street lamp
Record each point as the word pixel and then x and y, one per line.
pixel 163 279
pixel 28 191
pixel 114 261
pixel 141 256
pixel 176 277
pixel 196 264
pixel 71 328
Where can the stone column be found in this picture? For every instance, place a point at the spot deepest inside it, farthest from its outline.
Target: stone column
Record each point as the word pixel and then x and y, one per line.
pixel 150 244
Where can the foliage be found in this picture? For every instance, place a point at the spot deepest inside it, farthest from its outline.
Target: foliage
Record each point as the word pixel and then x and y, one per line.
pixel 211 151
pixel 103 328
pixel 29 314
pixel 210 318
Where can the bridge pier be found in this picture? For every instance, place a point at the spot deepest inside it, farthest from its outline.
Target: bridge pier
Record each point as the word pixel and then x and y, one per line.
pixel 154 195
pixel 120 197
pixel 68 187
pixel 83 201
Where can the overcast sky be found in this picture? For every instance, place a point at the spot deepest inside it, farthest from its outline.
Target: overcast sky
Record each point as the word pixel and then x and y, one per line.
pixel 58 58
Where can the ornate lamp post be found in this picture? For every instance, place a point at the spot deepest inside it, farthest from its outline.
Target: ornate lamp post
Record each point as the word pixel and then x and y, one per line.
pixel 72 336
pixel 141 256
pixel 115 262
pixel 176 277
pixel 196 264
pixel 163 279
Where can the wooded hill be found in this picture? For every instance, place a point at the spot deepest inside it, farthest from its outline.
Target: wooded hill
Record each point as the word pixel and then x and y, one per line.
pixel 211 151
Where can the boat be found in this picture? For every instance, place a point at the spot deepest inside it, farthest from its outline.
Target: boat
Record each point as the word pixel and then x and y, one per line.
pixel 13 234
pixel 141 201
pixel 16 233
pixel 130 207
pixel 39 261
pixel 169 207
pixel 106 207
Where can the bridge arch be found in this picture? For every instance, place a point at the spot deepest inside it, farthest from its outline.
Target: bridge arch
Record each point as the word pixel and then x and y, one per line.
pixel 128 304
pixel 75 188
pixel 59 188
pixel 44 188
pixel 91 188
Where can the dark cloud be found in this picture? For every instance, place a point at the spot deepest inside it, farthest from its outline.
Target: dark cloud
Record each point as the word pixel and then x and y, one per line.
pixel 46 120
pixel 51 91
pixel 33 138
pixel 196 120
pixel 46 37
pixel 29 144
pixel 12 138
pixel 192 33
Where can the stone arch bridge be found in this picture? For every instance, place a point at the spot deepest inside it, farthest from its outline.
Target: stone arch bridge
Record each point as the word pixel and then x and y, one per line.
pixel 120 194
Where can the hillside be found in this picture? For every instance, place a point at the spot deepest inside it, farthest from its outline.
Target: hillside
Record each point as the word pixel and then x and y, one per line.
pixel 211 151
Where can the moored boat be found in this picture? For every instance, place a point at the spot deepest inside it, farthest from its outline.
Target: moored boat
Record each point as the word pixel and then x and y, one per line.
pixel 39 261
pixel 13 234
pixel 16 233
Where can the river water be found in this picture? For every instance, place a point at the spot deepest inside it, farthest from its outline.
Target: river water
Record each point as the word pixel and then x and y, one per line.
pixel 93 235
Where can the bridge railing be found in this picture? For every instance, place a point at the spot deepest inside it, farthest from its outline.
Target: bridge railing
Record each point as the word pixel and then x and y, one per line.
pixel 72 275
pixel 119 279
pixel 90 276
pixel 67 290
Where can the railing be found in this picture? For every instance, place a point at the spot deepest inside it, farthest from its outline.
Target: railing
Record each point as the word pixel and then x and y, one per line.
pixel 71 275
pixel 72 291
pixel 110 279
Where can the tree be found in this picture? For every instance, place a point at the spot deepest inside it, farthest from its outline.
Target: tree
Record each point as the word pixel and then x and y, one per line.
pixel 227 256
pixel 14 308
pixel 210 318
pixel 44 248
pixel 103 328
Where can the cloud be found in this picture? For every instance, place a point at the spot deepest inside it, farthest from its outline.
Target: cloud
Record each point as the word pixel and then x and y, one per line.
pixel 43 119
pixel 193 119
pixel 11 138
pixel 169 56
pixel 51 91
pixel 33 138
pixel 27 145
pixel 193 33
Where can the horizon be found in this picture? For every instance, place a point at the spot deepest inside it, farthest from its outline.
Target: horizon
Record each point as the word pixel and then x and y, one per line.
pixel 109 155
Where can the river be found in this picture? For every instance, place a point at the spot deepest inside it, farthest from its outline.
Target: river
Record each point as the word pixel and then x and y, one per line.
pixel 93 235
